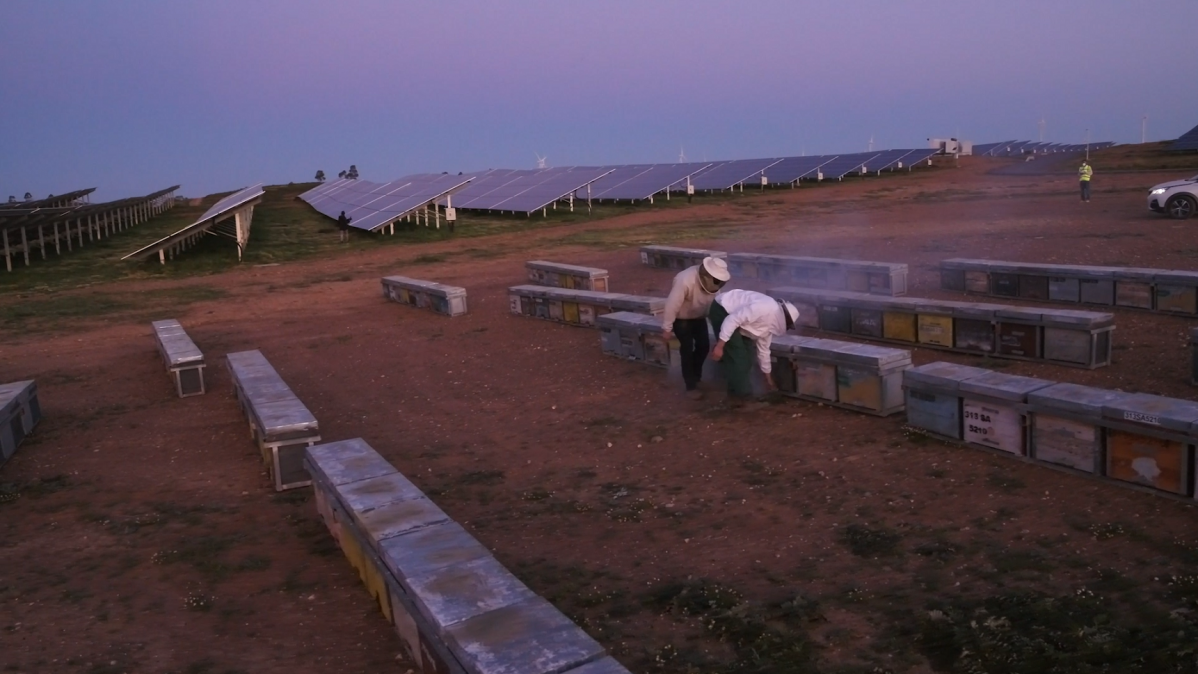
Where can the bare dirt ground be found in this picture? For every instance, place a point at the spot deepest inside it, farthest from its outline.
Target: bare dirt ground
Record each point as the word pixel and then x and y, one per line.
pixel 138 532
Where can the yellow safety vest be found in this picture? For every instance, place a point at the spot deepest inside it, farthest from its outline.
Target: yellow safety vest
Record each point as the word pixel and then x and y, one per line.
pixel 1085 172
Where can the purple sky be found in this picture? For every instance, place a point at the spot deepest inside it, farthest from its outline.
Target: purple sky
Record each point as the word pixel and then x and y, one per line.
pixel 131 96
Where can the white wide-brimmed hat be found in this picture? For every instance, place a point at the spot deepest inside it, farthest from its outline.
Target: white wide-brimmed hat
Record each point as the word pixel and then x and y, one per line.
pixel 717 268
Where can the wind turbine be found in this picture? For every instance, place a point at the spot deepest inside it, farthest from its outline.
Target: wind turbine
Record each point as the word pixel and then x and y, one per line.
pixel 540 160
pixel 1041 128
pixel 681 155
pixel 1144 129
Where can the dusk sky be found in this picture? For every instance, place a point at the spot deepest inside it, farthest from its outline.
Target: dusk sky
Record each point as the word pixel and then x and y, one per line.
pixel 130 97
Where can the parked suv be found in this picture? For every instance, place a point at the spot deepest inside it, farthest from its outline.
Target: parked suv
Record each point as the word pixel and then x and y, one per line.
pixel 1178 198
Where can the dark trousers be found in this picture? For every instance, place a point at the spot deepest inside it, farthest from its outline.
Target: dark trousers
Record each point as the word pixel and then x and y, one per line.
pixel 1085 189
pixel 739 353
pixel 693 346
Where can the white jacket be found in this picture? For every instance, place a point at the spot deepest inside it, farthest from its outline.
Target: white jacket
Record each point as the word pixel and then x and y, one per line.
pixel 687 298
pixel 759 317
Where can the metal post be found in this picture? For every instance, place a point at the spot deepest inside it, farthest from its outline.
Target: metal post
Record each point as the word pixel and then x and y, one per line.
pixel 7 257
pixel 25 245
pixel 57 241
pixel 41 237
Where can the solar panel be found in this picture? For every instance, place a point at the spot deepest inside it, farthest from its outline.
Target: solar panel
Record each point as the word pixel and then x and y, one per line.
pixel 845 164
pixel 642 181
pixel 888 159
pixel 554 185
pixel 220 211
pixel 371 206
pixel 790 169
pixel 729 174
pixel 916 157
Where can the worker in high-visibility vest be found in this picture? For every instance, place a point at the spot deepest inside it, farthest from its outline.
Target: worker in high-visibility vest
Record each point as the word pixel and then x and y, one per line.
pixel 1083 176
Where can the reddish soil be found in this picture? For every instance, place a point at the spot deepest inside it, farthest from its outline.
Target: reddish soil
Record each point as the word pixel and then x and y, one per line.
pixel 146 538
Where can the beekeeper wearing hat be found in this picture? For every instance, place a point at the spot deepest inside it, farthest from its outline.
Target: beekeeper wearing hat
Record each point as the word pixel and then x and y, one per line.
pixel 686 316
pixel 741 317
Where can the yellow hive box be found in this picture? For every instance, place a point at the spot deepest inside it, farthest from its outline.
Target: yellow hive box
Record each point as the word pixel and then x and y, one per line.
pixel 899 325
pixel 936 330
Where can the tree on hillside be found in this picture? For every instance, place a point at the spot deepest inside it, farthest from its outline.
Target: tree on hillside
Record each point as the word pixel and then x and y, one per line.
pixel 352 174
pixel 12 199
pixel 28 196
pixel 341 174
pixel 320 176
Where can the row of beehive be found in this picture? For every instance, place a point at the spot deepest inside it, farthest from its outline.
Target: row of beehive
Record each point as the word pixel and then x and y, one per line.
pixel 19 413
pixel 1067 337
pixel 437 297
pixel 1128 437
pixel 1172 291
pixel 279 422
pixel 673 257
pixel 877 278
pixel 861 377
pixel 560 275
pixel 455 607
pixel 577 307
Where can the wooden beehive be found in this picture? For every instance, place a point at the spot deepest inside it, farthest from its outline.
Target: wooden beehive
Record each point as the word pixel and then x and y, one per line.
pixel 1064 289
pixel 991 410
pixel 1149 441
pixel 933 396
pixel 1067 425
pixel 935 329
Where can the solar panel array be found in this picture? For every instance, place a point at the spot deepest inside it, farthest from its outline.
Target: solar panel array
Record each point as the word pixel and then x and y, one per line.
pixel 1187 141
pixel 219 211
pixel 374 205
pixel 1010 148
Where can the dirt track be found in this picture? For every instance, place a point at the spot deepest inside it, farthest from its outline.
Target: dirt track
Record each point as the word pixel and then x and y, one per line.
pixel 146 538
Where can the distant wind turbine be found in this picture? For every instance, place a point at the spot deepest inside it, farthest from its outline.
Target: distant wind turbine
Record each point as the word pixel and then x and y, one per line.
pixel 681 155
pixel 540 160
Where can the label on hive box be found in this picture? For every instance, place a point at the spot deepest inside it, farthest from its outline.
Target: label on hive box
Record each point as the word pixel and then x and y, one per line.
pixel 1015 339
pixel 936 330
pixel 867 322
pixel 1141 418
pixel 993 426
pixel 514 303
pixel 1155 462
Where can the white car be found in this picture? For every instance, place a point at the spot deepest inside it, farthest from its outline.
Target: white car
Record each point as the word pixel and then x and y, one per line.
pixel 1178 198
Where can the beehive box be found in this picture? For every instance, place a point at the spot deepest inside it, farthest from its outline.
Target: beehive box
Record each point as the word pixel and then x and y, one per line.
pixel 571 276
pixel 742 265
pixel 933 396
pixel 1066 425
pixel 1019 332
pixel 672 257
pixel 182 357
pixel 440 298
pixel 20 412
pixel 1176 292
pixel 991 410
pixel 1097 291
pixel 935 327
pixel 1064 289
pixel 1149 441
pixel 974 327
pixel 1077 337
pixel 1133 288
pixel 870 377
pixel 530 637
pixel 1194 356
